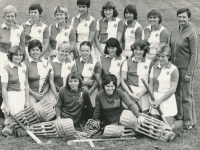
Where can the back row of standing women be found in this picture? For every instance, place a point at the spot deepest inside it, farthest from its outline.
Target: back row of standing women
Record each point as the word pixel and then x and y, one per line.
pixel 114 43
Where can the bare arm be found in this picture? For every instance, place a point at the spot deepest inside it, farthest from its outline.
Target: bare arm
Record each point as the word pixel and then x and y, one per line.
pixel 22 40
pixel 59 104
pixel 45 46
pixel 26 91
pixel 5 97
pixel 98 44
pixel 52 85
pixel 45 41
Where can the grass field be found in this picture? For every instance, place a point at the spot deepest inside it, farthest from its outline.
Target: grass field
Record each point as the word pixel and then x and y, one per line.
pixel 189 140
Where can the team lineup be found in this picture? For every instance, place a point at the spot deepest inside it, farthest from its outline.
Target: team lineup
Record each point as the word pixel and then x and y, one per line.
pixel 112 77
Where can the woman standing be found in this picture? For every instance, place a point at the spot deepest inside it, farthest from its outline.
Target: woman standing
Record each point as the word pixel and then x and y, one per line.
pixel 35 29
pixel 132 31
pixel 37 71
pixel 112 61
pixel 11 34
pixel 155 33
pixel 109 102
pixel 84 24
pixel 136 68
pixel 73 99
pixel 184 45
pixel 15 89
pixel 108 26
pixel 163 82
pixel 61 66
pixel 89 69
pixel 61 32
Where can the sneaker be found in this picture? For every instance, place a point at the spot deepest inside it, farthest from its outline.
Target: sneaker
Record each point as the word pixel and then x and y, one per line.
pixel 188 127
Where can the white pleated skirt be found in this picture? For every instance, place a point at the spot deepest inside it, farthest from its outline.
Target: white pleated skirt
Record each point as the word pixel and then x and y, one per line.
pixel 16 101
pixel 167 107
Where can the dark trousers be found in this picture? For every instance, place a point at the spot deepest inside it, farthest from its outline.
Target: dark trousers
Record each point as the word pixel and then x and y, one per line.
pixel 184 99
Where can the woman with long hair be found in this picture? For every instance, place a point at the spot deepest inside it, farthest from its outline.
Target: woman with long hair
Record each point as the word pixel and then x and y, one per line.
pixel 73 99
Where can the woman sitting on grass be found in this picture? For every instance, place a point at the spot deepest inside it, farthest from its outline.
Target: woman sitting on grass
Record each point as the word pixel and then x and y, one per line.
pixel 109 102
pixel 73 99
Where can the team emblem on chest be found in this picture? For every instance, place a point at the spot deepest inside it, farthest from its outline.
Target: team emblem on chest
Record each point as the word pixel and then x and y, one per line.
pixel 145 67
pixel 168 73
pixel 115 25
pixel 39 31
pixel 157 35
pixel 117 103
pixel 118 64
pixel 90 69
pixel 66 34
pixel 132 31
pixel 69 67
pixel 80 99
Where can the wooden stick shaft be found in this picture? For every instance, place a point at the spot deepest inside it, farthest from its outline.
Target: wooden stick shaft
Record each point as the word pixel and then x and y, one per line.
pixel 153 99
pixel 45 81
pixel 126 82
pixel 28 131
pixel 101 140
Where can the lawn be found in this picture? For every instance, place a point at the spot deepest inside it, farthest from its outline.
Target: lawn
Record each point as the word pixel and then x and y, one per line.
pixel 189 140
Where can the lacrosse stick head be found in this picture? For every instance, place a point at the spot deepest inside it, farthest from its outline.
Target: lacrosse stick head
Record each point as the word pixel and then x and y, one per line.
pixel 92 127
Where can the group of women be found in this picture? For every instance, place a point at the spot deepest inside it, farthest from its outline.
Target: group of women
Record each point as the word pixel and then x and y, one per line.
pixel 123 52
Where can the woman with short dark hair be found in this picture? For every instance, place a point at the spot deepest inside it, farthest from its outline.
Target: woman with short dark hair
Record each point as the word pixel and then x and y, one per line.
pixel 132 30
pixel 38 68
pixel 108 26
pixel 184 46
pixel 108 102
pixel 73 99
pixel 134 69
pixel 14 79
pixel 84 24
pixel 112 61
pixel 35 29
pixel 155 33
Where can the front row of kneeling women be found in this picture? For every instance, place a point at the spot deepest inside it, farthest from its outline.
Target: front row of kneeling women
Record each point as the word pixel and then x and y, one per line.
pixel 72 92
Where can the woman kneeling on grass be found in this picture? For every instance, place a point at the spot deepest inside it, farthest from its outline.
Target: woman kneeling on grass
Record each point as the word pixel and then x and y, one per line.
pixel 73 99
pixel 109 102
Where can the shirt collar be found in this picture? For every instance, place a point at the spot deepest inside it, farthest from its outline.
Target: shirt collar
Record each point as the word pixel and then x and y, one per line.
pixel 90 60
pixel 57 60
pixel 113 19
pixel 131 25
pixel 66 26
pixel 87 18
pixel 31 59
pixel 143 59
pixel 39 23
pixel 168 65
pixel 16 26
pixel 188 24
pixel 13 65
pixel 156 29
pixel 116 58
